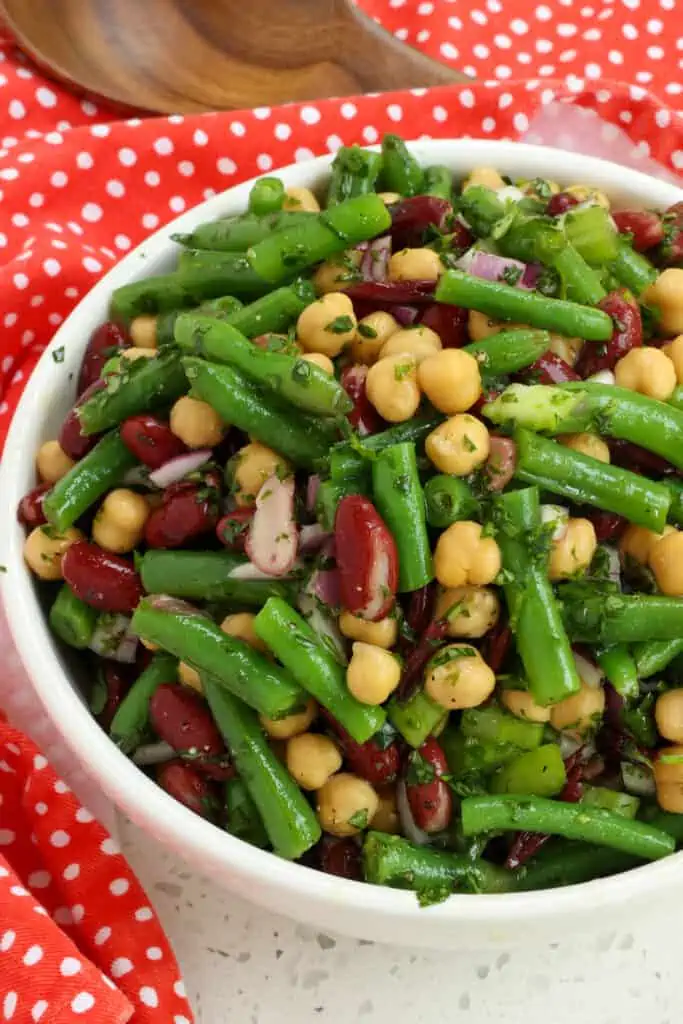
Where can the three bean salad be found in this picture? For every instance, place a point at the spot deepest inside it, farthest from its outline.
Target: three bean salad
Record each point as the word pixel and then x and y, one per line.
pixel 366 520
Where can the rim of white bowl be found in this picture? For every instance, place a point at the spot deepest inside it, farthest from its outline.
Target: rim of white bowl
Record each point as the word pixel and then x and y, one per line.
pixel 127 786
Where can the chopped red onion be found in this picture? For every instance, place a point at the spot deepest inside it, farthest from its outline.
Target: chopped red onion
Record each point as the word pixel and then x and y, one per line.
pixel 406 315
pixel 112 639
pixel 488 266
pixel 273 538
pixel 589 673
pixel 556 516
pixel 375 262
pixel 529 278
pixel 324 624
pixel 312 485
pixel 324 585
pixel 312 537
pixel 408 826
pixel 638 779
pixel 179 467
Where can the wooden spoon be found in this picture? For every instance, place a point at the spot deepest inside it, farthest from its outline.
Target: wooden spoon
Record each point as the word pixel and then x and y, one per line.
pixel 182 56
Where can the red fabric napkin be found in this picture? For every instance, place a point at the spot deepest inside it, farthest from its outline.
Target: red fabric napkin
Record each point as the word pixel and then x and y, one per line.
pixel 78 189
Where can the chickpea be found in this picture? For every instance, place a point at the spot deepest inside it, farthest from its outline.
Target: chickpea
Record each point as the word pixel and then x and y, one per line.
pixel 241 626
pixel 386 817
pixel 674 351
pixel 415 265
pixel 669 715
pixel 291 725
pixel 143 332
pixel 480 326
pixel 129 355
pixel 373 673
pixel 581 713
pixel 327 325
pixel 196 423
pixel 668 773
pixel 44 548
pixel 463 556
pixel 419 342
pixel 587 444
pixel 120 522
pixel 312 759
pixel 390 197
pixel 451 380
pixel 458 677
pixel 391 386
pixel 459 445
pixel 301 199
pixel 667 295
pixel 321 361
pixel 666 562
pixel 521 704
pixel 371 334
pixel 346 804
pixel 337 273
pixel 189 677
pixel 586 194
pixel 486 176
pixel 472 611
pixel 568 349
pixel 636 542
pixel 648 371
pixel 573 552
pixel 253 465
pixel 52 462
pixel 380 634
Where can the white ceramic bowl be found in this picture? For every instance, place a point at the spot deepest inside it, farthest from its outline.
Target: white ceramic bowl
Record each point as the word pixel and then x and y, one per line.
pixel 336 904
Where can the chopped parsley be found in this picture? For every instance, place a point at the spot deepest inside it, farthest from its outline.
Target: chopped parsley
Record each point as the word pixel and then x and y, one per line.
pixel 452 653
pixel 420 771
pixel 402 370
pixel 359 819
pixel 468 444
pixel 340 325
pixel 366 331
pixel 512 274
pixel 58 354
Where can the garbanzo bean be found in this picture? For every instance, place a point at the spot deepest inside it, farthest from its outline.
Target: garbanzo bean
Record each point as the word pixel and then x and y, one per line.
pixel 386 818
pixel 486 176
pixel 451 380
pixel 674 351
pixel 291 725
pixel 521 704
pixel 567 349
pixel 380 634
pixel 253 464
pixel 459 445
pixel 668 773
pixel 480 326
pixel 45 547
pixel 391 386
pixel 143 332
pixel 463 556
pixel 666 562
pixel 346 804
pixel 585 194
pixel 587 444
pixel 189 676
pixel 415 265
pixel 372 674
pixel 419 342
pixel 637 542
pixel 458 677
pixel 371 334
pixel 648 371
pixel 320 360
pixel 472 611
pixel 669 715
pixel 241 626
pixel 312 759
pixel 302 199
pixel 327 325
pixel 580 714
pixel 196 423
pixel 666 294
pixel 337 273
pixel 52 462
pixel 573 552
pixel 119 525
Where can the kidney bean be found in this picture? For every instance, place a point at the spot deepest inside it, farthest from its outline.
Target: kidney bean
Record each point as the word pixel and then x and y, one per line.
pixel 103 580
pixel 181 718
pixel 187 510
pixel 669 252
pixel 401 292
pixel 627 334
pixel 551 369
pixel 413 667
pixel 150 440
pixel 421 607
pixel 640 460
pixel 233 528
pixel 30 509
pixel 117 680
pixel 500 465
pixel 607 525
pixel 496 645
pixel 644 225
pixel 449 322
pixel 410 218
pixel 364 417
pixel 376 761
pixel 340 857
pixel 105 342
pixel 430 799
pixel 75 443
pixel 560 203
pixel 185 784
pixel 367 559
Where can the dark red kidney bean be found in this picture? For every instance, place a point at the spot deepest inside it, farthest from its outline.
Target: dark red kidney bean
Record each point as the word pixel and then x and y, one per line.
pixel 117 679
pixel 461 238
pixel 186 785
pixel 105 341
pixel 401 292
pixel 496 645
pixel 500 465
pixel 340 857
pixel 560 203
pixel 376 763
pixel 627 334
pixel 644 226
pixel 669 252
pixel 103 580
pixel 233 528
pixel 150 440
pixel 640 460
pixel 430 801
pixel 30 509
pixel 364 417
pixel 449 322
pixel 181 718
pixel 421 608
pixel 607 525
pixel 551 369
pixel 367 559
pixel 410 218
pixel 414 665
pixel 188 510
pixel 72 440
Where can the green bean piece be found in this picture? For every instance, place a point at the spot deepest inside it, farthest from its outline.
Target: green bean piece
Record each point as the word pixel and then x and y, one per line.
pixel 219 308
pixel 540 636
pixel 275 311
pixel 676 398
pixel 509 351
pixel 198 641
pixel 400 501
pixel 448 499
pixel 633 270
pixel 653 656
pixel 611 618
pixel 287 252
pixel 330 493
pixel 587 481
pixel 675 488
pixel 236 234
pixel 581 283
pixel 354 173
pixel 315 668
pixel 619 666
pixel 433 874
pixel 611 800
pixel 469 757
pixel 492 724
pixel 141 385
pixel 241 403
pixel 401 172
pixel 639 721
pixel 481 208
pixel 416 718
pixel 563 863
pixel 267 196
pixel 206 576
pixel 346 463
pixel 671 823
pixel 437 181
pixel 293 379
pixel 243 818
pixel 131 721
pixel 286 814
pixel 592 233
pixel 540 407
pixel 573 821
pixel 539 772
pixel 504 302
pixel 350 474
pixel 72 619
pixel 531 239
pixel 103 468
